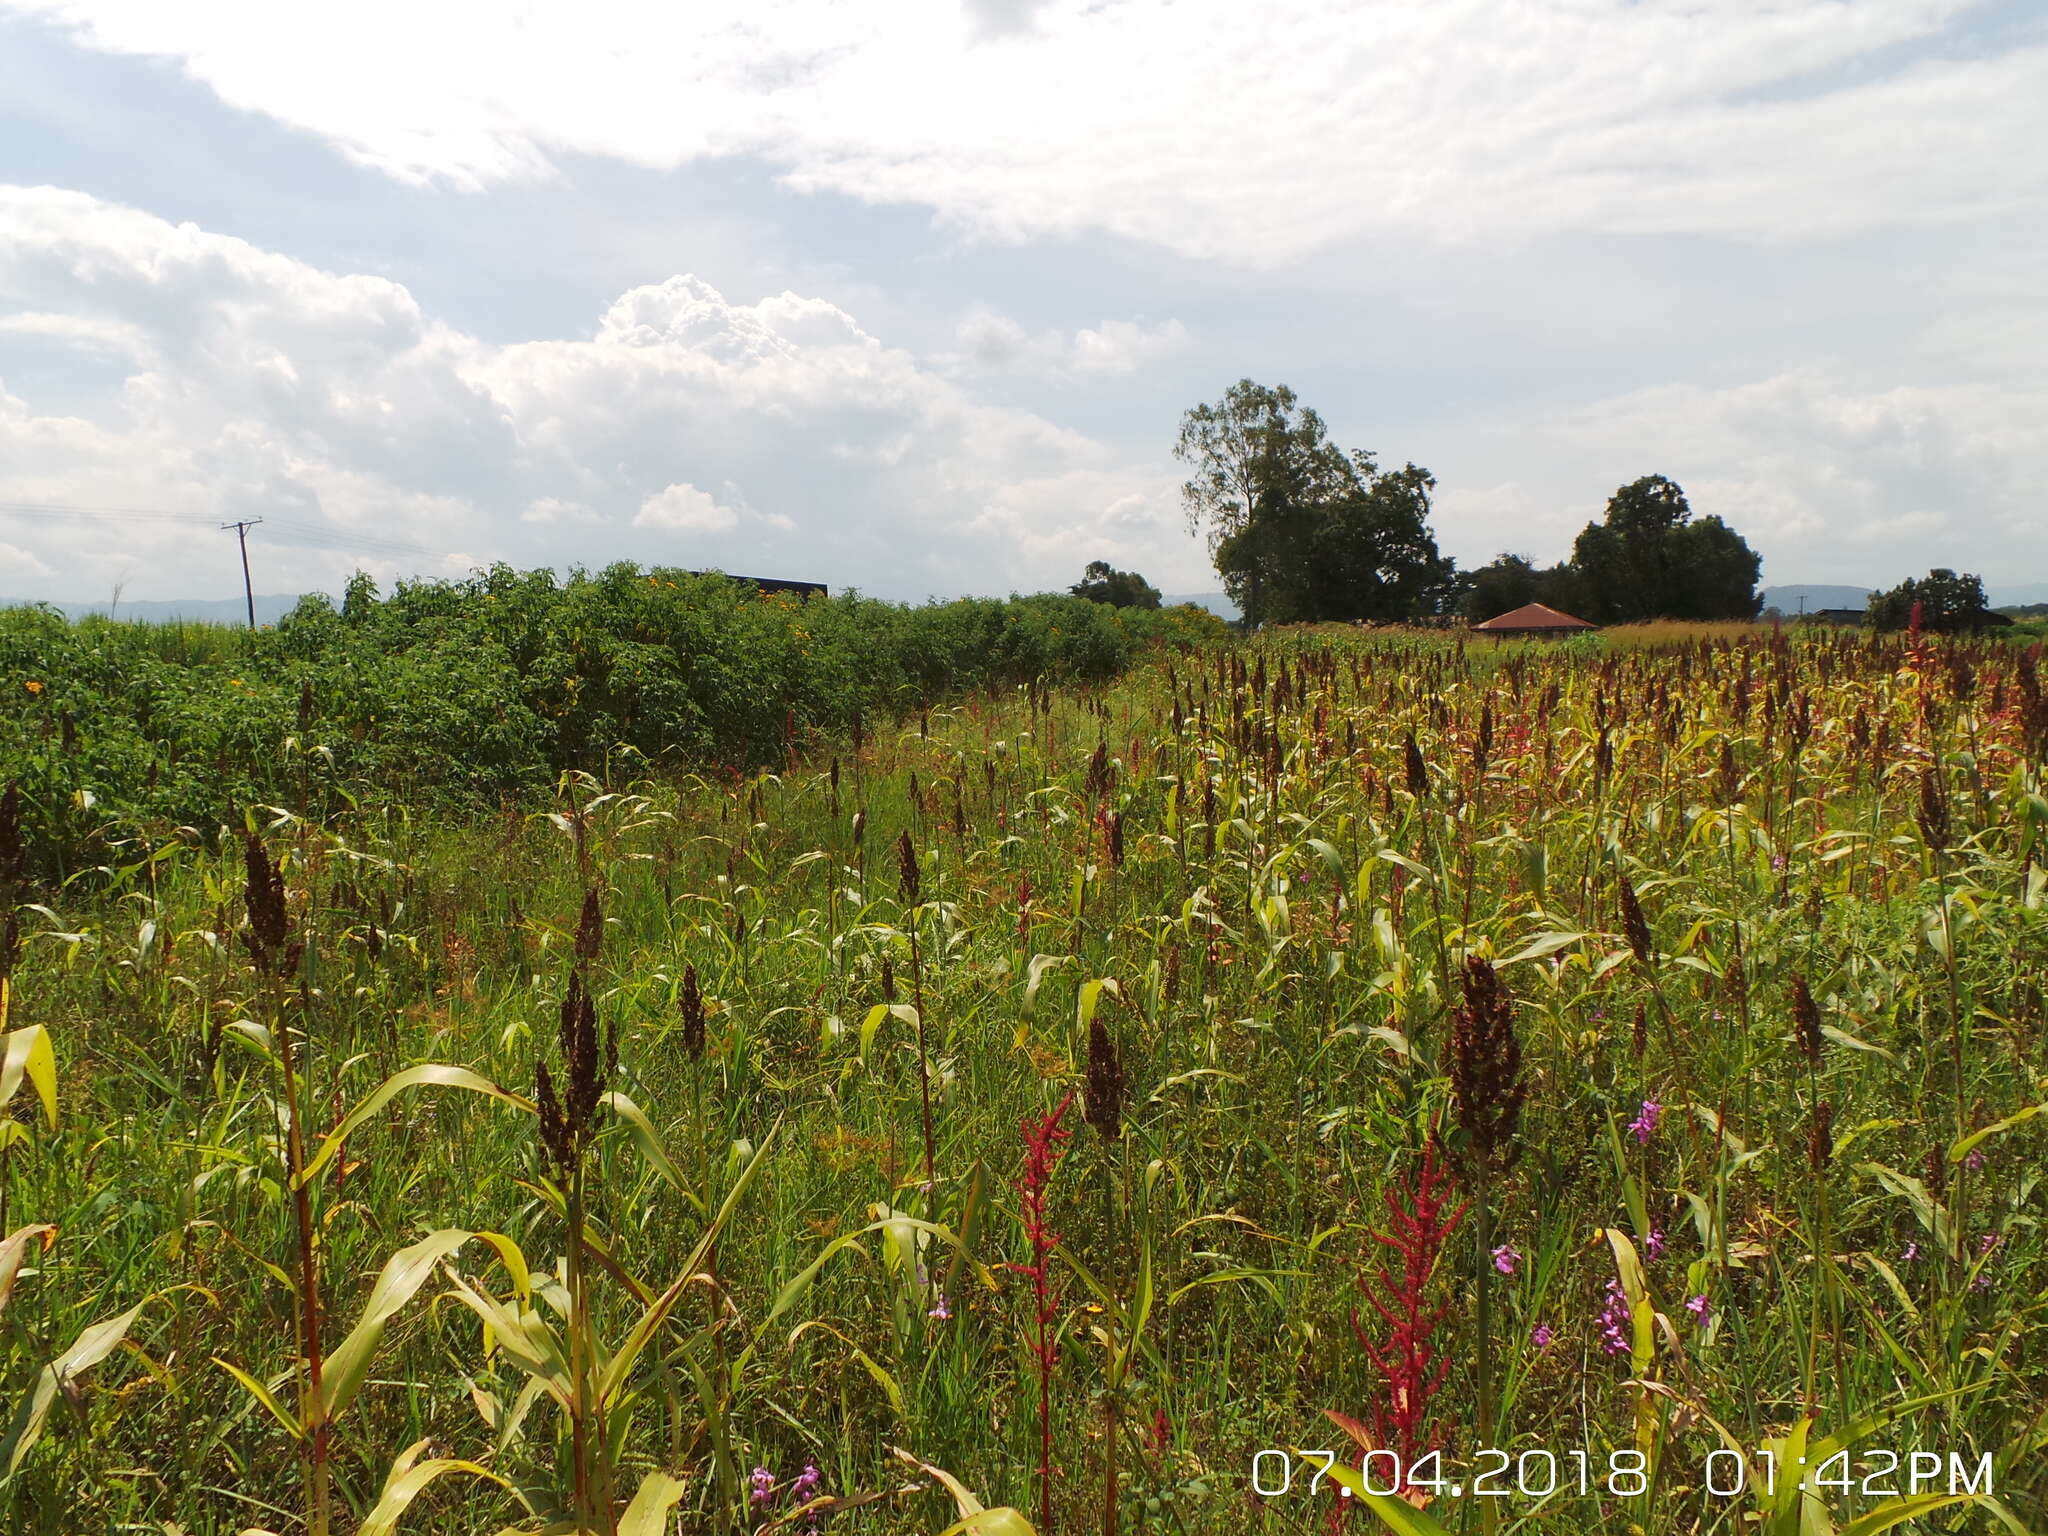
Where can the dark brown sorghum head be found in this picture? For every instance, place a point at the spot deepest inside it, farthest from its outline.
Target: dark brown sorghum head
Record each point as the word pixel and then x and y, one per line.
pixel 555 1138
pixel 568 1122
pixel 1100 774
pixel 1107 1091
pixel 1735 981
pixel 1116 840
pixel 888 980
pixel 1418 770
pixel 269 937
pixel 692 1005
pixel 907 879
pixel 589 929
pixel 1820 1135
pixel 1634 926
pixel 1806 1020
pixel 1486 1067
pixel 1934 818
pixel 1639 1035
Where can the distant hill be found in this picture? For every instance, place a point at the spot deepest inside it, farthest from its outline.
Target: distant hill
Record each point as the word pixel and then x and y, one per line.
pixel 270 607
pixel 1786 599
pixel 1215 602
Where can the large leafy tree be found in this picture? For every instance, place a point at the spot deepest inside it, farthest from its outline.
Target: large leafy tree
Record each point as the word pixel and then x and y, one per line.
pixel 1298 531
pixel 1262 463
pixel 1372 555
pixel 1947 602
pixel 1103 583
pixel 1651 559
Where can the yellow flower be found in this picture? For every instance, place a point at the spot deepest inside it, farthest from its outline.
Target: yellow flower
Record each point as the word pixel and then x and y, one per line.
pixel 234 682
pixel 33 686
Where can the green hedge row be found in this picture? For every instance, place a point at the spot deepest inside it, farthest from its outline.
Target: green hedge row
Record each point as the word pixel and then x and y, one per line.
pixel 452 694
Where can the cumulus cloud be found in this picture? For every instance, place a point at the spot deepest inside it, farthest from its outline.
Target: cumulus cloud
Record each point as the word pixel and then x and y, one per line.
pixel 686 508
pixel 777 437
pixel 1251 135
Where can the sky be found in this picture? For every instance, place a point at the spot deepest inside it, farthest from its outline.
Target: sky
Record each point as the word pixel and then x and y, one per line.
pixel 910 298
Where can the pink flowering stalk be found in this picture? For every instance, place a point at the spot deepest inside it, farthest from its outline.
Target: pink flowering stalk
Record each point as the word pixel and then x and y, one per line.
pixel 1645 1122
pixel 1615 1320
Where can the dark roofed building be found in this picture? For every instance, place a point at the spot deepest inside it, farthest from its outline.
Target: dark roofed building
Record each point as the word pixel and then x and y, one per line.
pixel 1534 619
pixel 773 584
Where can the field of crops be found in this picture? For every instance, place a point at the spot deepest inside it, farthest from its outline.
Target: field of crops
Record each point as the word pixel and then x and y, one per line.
pixel 1599 1079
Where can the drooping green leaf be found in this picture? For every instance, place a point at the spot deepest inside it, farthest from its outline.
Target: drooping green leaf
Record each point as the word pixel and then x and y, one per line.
pixel 432 1074
pixel 91 1346
pixel 30 1055
pixel 407 1479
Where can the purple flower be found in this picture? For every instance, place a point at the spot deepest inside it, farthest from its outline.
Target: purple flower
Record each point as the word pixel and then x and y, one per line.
pixel 1777 861
pixel 1975 1160
pixel 1699 1307
pixel 1614 1318
pixel 1987 1243
pixel 1654 1247
pixel 1505 1259
pixel 1912 1252
pixel 805 1488
pixel 1541 1335
pixel 941 1311
pixel 1645 1122
pixel 764 1485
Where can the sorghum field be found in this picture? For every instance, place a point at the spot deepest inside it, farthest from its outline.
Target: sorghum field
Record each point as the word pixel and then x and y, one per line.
pixel 1061 1103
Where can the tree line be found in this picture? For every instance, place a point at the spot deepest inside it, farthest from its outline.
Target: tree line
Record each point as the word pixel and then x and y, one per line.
pixel 1302 531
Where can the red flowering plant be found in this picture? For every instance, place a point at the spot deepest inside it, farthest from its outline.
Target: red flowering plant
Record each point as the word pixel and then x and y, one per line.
pixel 1042 1154
pixel 1410 1364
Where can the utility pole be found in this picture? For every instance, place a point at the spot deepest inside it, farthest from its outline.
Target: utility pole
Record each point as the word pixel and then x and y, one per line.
pixel 242 534
pixel 1802 605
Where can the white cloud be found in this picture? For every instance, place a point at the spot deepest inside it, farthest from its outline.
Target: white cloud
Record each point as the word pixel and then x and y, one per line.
pixel 687 509
pixel 1251 135
pixel 1119 346
pixel 988 339
pixel 17 566
pixel 777 437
